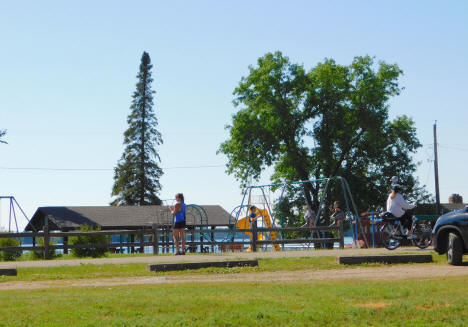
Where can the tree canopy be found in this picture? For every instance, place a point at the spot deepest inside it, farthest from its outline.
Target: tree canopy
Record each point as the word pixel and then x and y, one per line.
pixel 330 121
pixel 136 177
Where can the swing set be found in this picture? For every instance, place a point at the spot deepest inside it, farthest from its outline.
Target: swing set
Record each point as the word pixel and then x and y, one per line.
pixel 259 208
pixel 12 213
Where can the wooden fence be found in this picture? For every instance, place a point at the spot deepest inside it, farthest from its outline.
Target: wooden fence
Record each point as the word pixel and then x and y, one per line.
pixel 160 237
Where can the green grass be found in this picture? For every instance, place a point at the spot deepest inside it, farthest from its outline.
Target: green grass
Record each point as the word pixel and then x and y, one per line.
pixel 78 272
pixel 139 269
pixel 29 257
pixel 425 302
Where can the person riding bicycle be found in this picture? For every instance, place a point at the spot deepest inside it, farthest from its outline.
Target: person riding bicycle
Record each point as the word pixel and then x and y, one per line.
pixel 397 206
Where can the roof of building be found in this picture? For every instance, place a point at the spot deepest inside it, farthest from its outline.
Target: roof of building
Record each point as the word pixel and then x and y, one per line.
pixel 123 217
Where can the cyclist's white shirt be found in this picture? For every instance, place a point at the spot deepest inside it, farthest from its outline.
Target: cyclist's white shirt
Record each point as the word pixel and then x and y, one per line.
pixel 397 205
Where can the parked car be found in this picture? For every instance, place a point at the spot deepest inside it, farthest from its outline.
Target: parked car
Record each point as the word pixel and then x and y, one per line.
pixel 450 235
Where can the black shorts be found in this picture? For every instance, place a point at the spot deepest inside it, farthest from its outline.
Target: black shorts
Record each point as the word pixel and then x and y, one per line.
pixel 406 220
pixel 179 225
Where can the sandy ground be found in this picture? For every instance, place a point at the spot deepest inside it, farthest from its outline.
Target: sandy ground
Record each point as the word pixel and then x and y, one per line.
pixel 367 273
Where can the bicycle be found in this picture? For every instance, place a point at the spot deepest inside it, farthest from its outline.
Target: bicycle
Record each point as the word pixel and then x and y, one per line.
pixel 392 232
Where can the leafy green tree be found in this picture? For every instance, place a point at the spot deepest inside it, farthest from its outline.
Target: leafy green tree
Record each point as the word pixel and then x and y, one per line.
pixel 330 121
pixel 2 134
pixel 136 177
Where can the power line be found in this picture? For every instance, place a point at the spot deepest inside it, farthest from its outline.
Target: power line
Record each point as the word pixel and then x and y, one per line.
pixel 453 148
pixel 194 167
pixel 55 169
pixel 101 169
pixel 430 145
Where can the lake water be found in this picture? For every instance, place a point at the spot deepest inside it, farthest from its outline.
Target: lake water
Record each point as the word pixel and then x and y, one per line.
pixel 348 240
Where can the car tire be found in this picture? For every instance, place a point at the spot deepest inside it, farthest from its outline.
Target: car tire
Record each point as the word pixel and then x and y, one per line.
pixel 454 250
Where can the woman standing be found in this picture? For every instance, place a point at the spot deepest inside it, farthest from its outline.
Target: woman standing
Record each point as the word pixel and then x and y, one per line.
pixel 178 211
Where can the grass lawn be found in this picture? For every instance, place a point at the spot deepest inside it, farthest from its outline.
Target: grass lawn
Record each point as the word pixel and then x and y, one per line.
pixel 28 256
pixel 425 302
pixel 139 269
pixel 415 302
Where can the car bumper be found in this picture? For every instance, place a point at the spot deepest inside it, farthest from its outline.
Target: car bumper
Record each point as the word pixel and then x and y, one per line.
pixel 434 242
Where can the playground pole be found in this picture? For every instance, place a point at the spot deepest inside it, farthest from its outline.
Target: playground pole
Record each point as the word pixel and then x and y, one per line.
pixel 357 216
pixel 345 195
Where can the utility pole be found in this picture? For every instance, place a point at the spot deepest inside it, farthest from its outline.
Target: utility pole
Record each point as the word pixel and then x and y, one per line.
pixel 436 171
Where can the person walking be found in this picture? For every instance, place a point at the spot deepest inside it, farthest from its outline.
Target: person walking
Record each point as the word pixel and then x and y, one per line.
pixel 178 211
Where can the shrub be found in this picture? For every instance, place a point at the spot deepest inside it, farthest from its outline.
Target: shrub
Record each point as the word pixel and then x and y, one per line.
pixel 97 243
pixel 40 254
pixel 9 255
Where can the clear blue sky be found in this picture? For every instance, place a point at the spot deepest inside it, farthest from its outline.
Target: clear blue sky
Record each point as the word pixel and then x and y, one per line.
pixel 67 73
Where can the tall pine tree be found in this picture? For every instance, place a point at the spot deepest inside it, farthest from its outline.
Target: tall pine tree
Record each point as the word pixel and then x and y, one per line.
pixel 136 177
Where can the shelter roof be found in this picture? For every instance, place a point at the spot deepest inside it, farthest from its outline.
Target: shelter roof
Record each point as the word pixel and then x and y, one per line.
pixel 124 217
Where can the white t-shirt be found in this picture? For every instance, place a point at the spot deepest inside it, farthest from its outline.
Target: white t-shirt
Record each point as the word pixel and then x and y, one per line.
pixel 397 205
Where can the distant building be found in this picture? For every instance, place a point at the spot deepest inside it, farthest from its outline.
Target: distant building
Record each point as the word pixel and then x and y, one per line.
pixel 455 202
pixel 455 198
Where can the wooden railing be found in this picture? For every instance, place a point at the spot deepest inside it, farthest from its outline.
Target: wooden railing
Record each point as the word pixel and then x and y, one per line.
pixel 160 237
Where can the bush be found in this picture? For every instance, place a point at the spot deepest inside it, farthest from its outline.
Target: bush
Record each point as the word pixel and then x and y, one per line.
pixel 40 254
pixel 9 255
pixel 93 250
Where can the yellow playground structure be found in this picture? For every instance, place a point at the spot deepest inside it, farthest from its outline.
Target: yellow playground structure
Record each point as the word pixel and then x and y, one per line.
pixel 255 214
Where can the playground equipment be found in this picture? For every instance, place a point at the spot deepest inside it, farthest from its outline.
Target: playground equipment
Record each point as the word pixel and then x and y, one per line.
pixel 12 213
pixel 256 214
pixel 256 209
pixel 351 210
pixel 239 216
pixel 196 218
pixel 244 223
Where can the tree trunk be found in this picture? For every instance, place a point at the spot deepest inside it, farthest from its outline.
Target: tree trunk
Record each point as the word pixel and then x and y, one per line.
pixel 143 125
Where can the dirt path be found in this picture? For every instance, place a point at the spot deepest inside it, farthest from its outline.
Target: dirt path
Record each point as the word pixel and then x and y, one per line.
pixel 368 273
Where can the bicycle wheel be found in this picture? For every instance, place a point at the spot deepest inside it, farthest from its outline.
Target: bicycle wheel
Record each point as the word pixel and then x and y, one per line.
pixel 423 234
pixel 387 234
